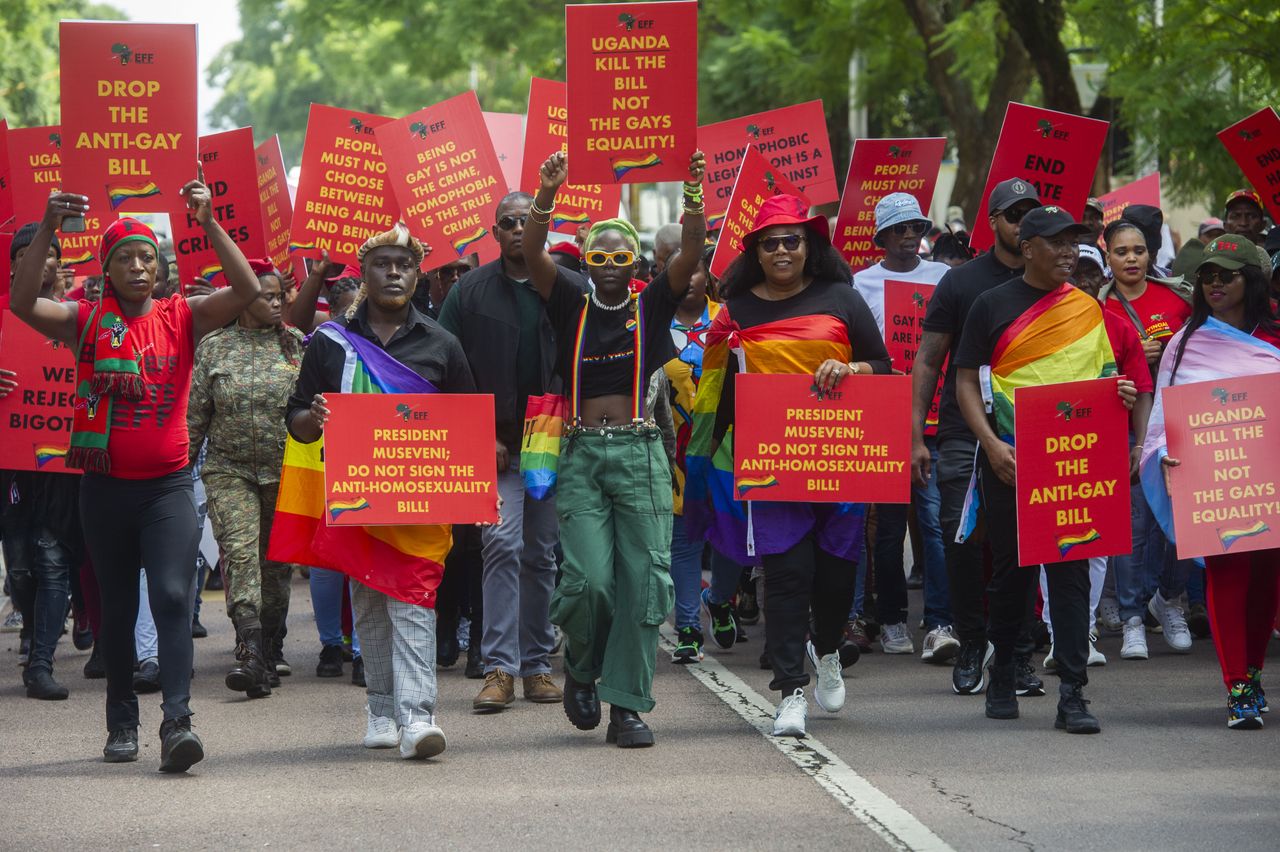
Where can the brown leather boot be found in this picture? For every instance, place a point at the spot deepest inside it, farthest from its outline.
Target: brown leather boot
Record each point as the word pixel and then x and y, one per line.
pixel 541 689
pixel 250 673
pixel 499 691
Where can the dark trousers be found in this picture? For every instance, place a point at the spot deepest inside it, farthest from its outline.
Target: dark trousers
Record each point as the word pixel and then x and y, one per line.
pixel 804 577
pixel 461 591
pixel 129 524
pixel 1013 586
pixel 39 566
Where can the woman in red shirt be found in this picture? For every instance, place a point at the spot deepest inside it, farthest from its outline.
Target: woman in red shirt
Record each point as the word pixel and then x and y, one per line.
pixel 135 356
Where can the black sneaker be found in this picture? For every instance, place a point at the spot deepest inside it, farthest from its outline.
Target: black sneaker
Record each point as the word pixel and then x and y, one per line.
pixel 1025 681
pixel 180 748
pixel 720 618
pixel 1243 713
pixel 1002 700
pixel 1255 681
pixel 198 630
pixel 147 678
pixel 121 747
pixel 42 686
pixel 688 646
pixel 475 662
pixel 330 664
pixel 1073 714
pixel 915 580
pixel 357 672
pixel 94 667
pixel 748 606
pixel 969 675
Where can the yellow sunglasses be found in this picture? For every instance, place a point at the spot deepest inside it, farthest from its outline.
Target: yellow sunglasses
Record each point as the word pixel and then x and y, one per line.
pixel 619 258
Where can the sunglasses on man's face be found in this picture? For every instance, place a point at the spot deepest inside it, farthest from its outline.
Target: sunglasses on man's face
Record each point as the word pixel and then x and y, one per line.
pixel 510 223
pixel 790 242
pixel 1013 215
pixel 904 228
pixel 619 258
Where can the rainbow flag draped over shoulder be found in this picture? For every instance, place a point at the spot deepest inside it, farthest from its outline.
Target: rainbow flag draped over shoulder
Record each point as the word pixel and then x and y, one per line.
pixel 1215 350
pixel 712 510
pixel 405 562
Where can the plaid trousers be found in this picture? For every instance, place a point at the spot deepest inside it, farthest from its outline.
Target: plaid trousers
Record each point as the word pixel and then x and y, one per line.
pixel 398 644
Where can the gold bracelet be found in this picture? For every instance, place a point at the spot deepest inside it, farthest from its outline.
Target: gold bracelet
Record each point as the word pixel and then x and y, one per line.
pixel 695 211
pixel 534 208
pixel 545 221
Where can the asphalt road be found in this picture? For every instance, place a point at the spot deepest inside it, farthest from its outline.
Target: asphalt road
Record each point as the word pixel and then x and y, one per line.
pixel 288 771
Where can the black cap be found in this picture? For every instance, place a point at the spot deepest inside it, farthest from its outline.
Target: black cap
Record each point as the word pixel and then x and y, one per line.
pixel 23 238
pixel 1009 192
pixel 1049 222
pixel 1150 220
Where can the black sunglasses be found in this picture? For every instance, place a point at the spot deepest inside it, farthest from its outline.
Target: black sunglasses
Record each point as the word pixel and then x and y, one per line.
pixel 1013 215
pixel 1226 276
pixel 790 242
pixel 510 223
pixel 903 228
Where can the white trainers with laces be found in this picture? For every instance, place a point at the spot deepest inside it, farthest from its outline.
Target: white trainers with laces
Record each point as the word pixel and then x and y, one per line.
pixel 1134 645
pixel 1173 620
pixel 1109 615
pixel 421 738
pixel 940 645
pixel 894 639
pixel 830 690
pixel 1050 664
pixel 381 732
pixel 1096 657
pixel 789 718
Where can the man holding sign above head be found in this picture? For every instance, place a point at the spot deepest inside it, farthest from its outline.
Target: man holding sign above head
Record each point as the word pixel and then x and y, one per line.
pixel 385 346
pixel 1034 330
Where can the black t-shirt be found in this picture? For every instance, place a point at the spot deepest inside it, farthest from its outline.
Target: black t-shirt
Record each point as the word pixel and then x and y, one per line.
pixel 992 313
pixel 947 314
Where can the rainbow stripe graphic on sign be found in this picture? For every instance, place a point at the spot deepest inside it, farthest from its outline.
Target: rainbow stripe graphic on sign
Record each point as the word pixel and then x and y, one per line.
pixel 46 454
pixel 76 259
pixel 1230 537
pixel 301 246
pixel 569 219
pixel 337 507
pixel 714 222
pixel 1066 542
pixel 461 246
pixel 120 194
pixel 621 167
pixel 745 484
pixel 208 273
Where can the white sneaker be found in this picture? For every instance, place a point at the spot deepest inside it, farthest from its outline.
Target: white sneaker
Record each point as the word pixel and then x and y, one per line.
pixel 1134 645
pixel 894 639
pixel 381 732
pixel 830 690
pixel 421 739
pixel 789 718
pixel 1050 664
pixel 940 645
pixel 1109 615
pixel 1096 657
pixel 1173 620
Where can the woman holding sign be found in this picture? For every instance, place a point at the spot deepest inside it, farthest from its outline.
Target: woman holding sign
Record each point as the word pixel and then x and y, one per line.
pixel 614 499
pixel 789 308
pixel 135 359
pixel 1233 331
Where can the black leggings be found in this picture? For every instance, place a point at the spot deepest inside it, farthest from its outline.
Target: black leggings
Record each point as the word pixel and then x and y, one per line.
pixel 129 524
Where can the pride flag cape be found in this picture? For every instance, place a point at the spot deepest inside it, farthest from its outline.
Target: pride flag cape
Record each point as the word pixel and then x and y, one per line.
pixel 405 562
pixel 1214 351
pixel 1062 338
pixel 712 510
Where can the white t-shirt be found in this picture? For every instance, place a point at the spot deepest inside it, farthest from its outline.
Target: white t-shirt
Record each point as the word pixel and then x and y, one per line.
pixel 869 283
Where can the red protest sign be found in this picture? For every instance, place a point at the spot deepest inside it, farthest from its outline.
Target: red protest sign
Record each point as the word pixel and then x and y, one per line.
pixel 273 201
pixel 446 177
pixel 343 196
pixel 1144 190
pixel 756 181
pixel 35 420
pixel 7 225
pixel 633 90
pixel 1224 491
pixel 128 114
pixel 1254 143
pixel 794 139
pixel 410 459
pixel 1072 452
pixel 1056 151
pixel 794 443
pixel 905 303
pixel 506 131
pixel 35 170
pixel 547 131
pixel 231 174
pixel 877 168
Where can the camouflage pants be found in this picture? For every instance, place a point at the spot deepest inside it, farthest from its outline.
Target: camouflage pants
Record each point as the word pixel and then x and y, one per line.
pixel 241 512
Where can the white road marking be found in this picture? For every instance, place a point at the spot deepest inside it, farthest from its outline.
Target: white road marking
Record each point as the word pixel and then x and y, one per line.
pixel 893 823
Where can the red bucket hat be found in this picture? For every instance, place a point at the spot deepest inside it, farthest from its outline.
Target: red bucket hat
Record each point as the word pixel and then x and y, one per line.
pixel 785 210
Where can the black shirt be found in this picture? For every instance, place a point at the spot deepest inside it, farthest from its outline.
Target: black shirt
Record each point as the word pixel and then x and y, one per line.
pixel 947 314
pixel 992 313
pixel 420 344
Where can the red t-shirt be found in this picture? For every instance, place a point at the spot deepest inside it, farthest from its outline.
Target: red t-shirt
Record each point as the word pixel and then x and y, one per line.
pixel 1161 311
pixel 1127 346
pixel 149 437
pixel 1262 334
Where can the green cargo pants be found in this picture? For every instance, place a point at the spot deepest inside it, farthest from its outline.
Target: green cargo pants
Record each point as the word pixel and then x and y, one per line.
pixel 614 503
pixel 241 513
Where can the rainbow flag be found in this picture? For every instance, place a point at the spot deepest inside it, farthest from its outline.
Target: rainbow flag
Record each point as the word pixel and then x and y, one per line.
pixel 621 167
pixel 75 259
pixel 540 444
pixel 712 506
pixel 46 453
pixel 461 246
pixel 569 219
pixel 1230 537
pixel 208 273
pixel 301 246
pixel 714 222
pixel 745 485
pixel 120 194
pixel 337 507
pixel 404 562
pixel 1066 542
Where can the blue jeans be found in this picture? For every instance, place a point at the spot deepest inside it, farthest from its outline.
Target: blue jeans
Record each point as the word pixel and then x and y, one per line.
pixel 686 576
pixel 326 602
pixel 1152 565
pixel 39 567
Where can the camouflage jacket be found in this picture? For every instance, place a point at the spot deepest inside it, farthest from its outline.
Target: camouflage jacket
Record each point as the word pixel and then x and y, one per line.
pixel 239 393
